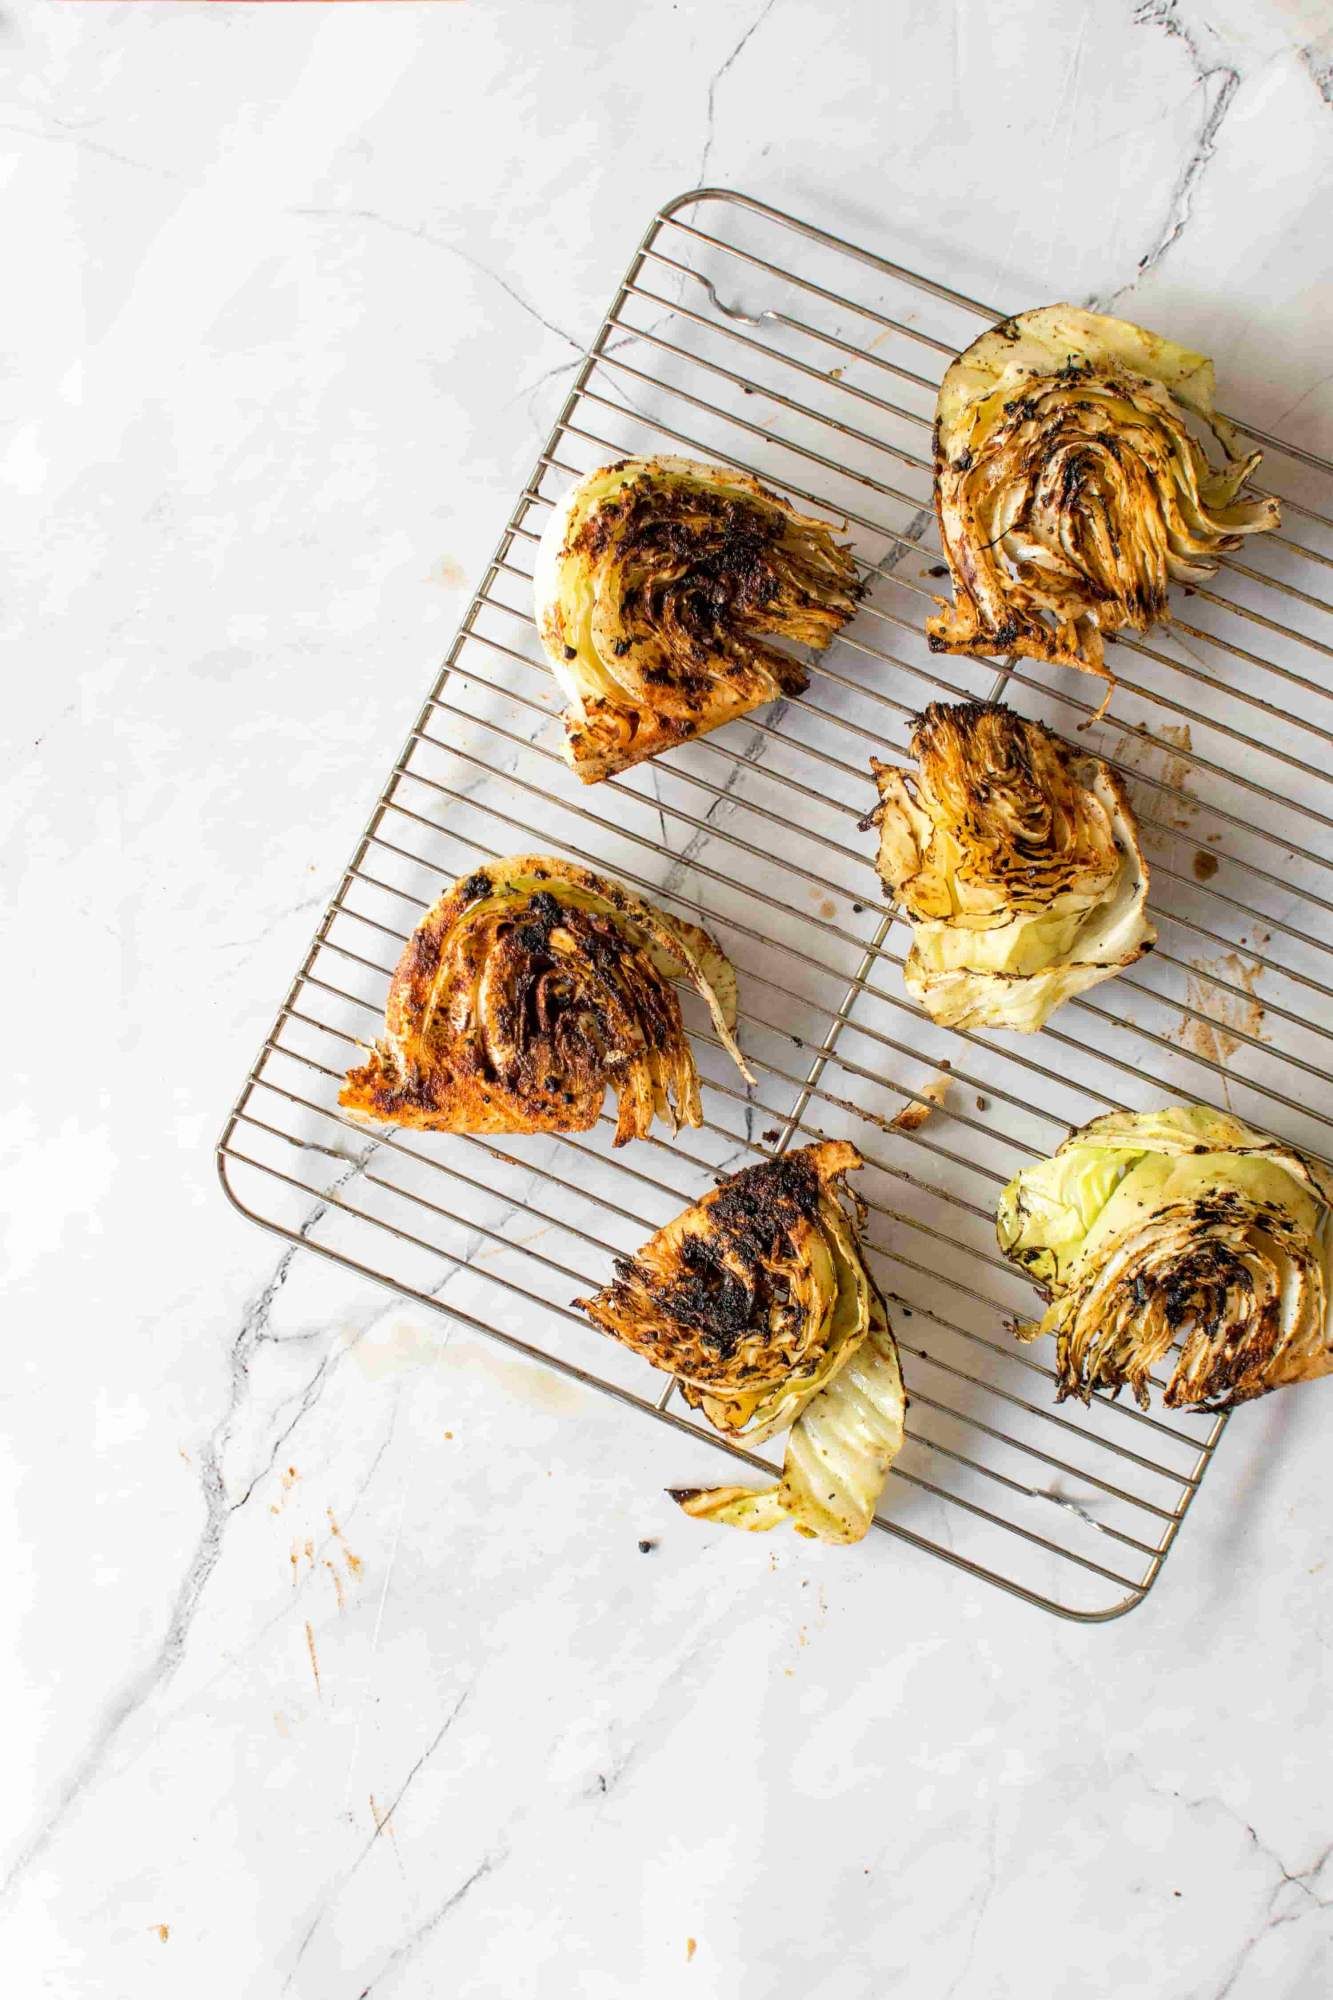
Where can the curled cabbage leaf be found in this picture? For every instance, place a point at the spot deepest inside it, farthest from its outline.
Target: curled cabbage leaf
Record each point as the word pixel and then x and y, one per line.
pixel 1070 490
pixel 658 583
pixel 530 988
pixel 839 1452
pixel 757 1299
pixel 1017 861
pixel 1152 1229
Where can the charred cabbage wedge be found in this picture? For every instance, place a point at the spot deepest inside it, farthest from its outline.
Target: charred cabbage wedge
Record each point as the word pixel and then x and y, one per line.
pixel 658 584
pixel 530 989
pixel 758 1301
pixel 1070 489
pixel 1152 1229
pixel 1017 861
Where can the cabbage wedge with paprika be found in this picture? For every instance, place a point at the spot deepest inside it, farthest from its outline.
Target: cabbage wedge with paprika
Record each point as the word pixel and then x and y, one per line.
pixel 530 989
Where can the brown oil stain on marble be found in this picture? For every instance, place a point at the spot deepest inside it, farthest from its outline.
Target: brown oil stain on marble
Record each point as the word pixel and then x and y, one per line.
pixel 539 1388
pixel 1176 762
pixel 1165 755
pixel 449 572
pixel 299 1549
pixel 314 1656
pixel 1230 1016
pixel 523 1380
pixel 691 1946
pixel 281 1724
pixel 354 1563
pixel 336 1579
pixel 394 1348
pixel 407 1344
pixel 162 1932
pixel 516 1242
pixel 383 1819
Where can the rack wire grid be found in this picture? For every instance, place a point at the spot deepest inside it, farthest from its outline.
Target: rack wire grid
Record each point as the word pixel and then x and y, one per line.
pixel 744 336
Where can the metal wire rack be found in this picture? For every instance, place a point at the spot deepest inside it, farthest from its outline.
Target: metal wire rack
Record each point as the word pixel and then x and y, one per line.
pixel 742 335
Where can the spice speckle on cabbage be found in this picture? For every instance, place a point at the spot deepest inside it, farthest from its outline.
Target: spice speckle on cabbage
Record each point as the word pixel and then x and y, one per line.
pixel 1180 1229
pixel 658 585
pixel 1070 489
pixel 1016 860
pixel 757 1299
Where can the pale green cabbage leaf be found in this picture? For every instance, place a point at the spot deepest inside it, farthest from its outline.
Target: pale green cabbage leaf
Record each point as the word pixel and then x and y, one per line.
pixel 1179 1229
pixel 839 1452
pixel 1016 860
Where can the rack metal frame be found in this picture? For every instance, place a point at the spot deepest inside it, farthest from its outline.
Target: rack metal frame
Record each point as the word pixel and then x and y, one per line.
pixel 743 335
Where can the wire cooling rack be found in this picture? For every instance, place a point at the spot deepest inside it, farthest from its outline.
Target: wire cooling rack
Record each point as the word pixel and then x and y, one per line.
pixel 744 336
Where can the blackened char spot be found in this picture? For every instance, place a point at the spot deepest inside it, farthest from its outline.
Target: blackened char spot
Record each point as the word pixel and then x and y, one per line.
pixel 542 915
pixel 709 1297
pixel 750 1220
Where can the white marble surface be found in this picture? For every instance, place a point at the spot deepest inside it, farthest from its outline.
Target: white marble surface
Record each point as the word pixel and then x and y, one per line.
pixel 293 294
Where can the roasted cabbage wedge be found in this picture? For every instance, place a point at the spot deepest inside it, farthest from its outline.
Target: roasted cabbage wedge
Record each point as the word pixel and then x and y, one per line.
pixel 839 1452
pixel 658 585
pixel 1071 489
pixel 1017 861
pixel 531 988
pixel 758 1301
pixel 1153 1230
